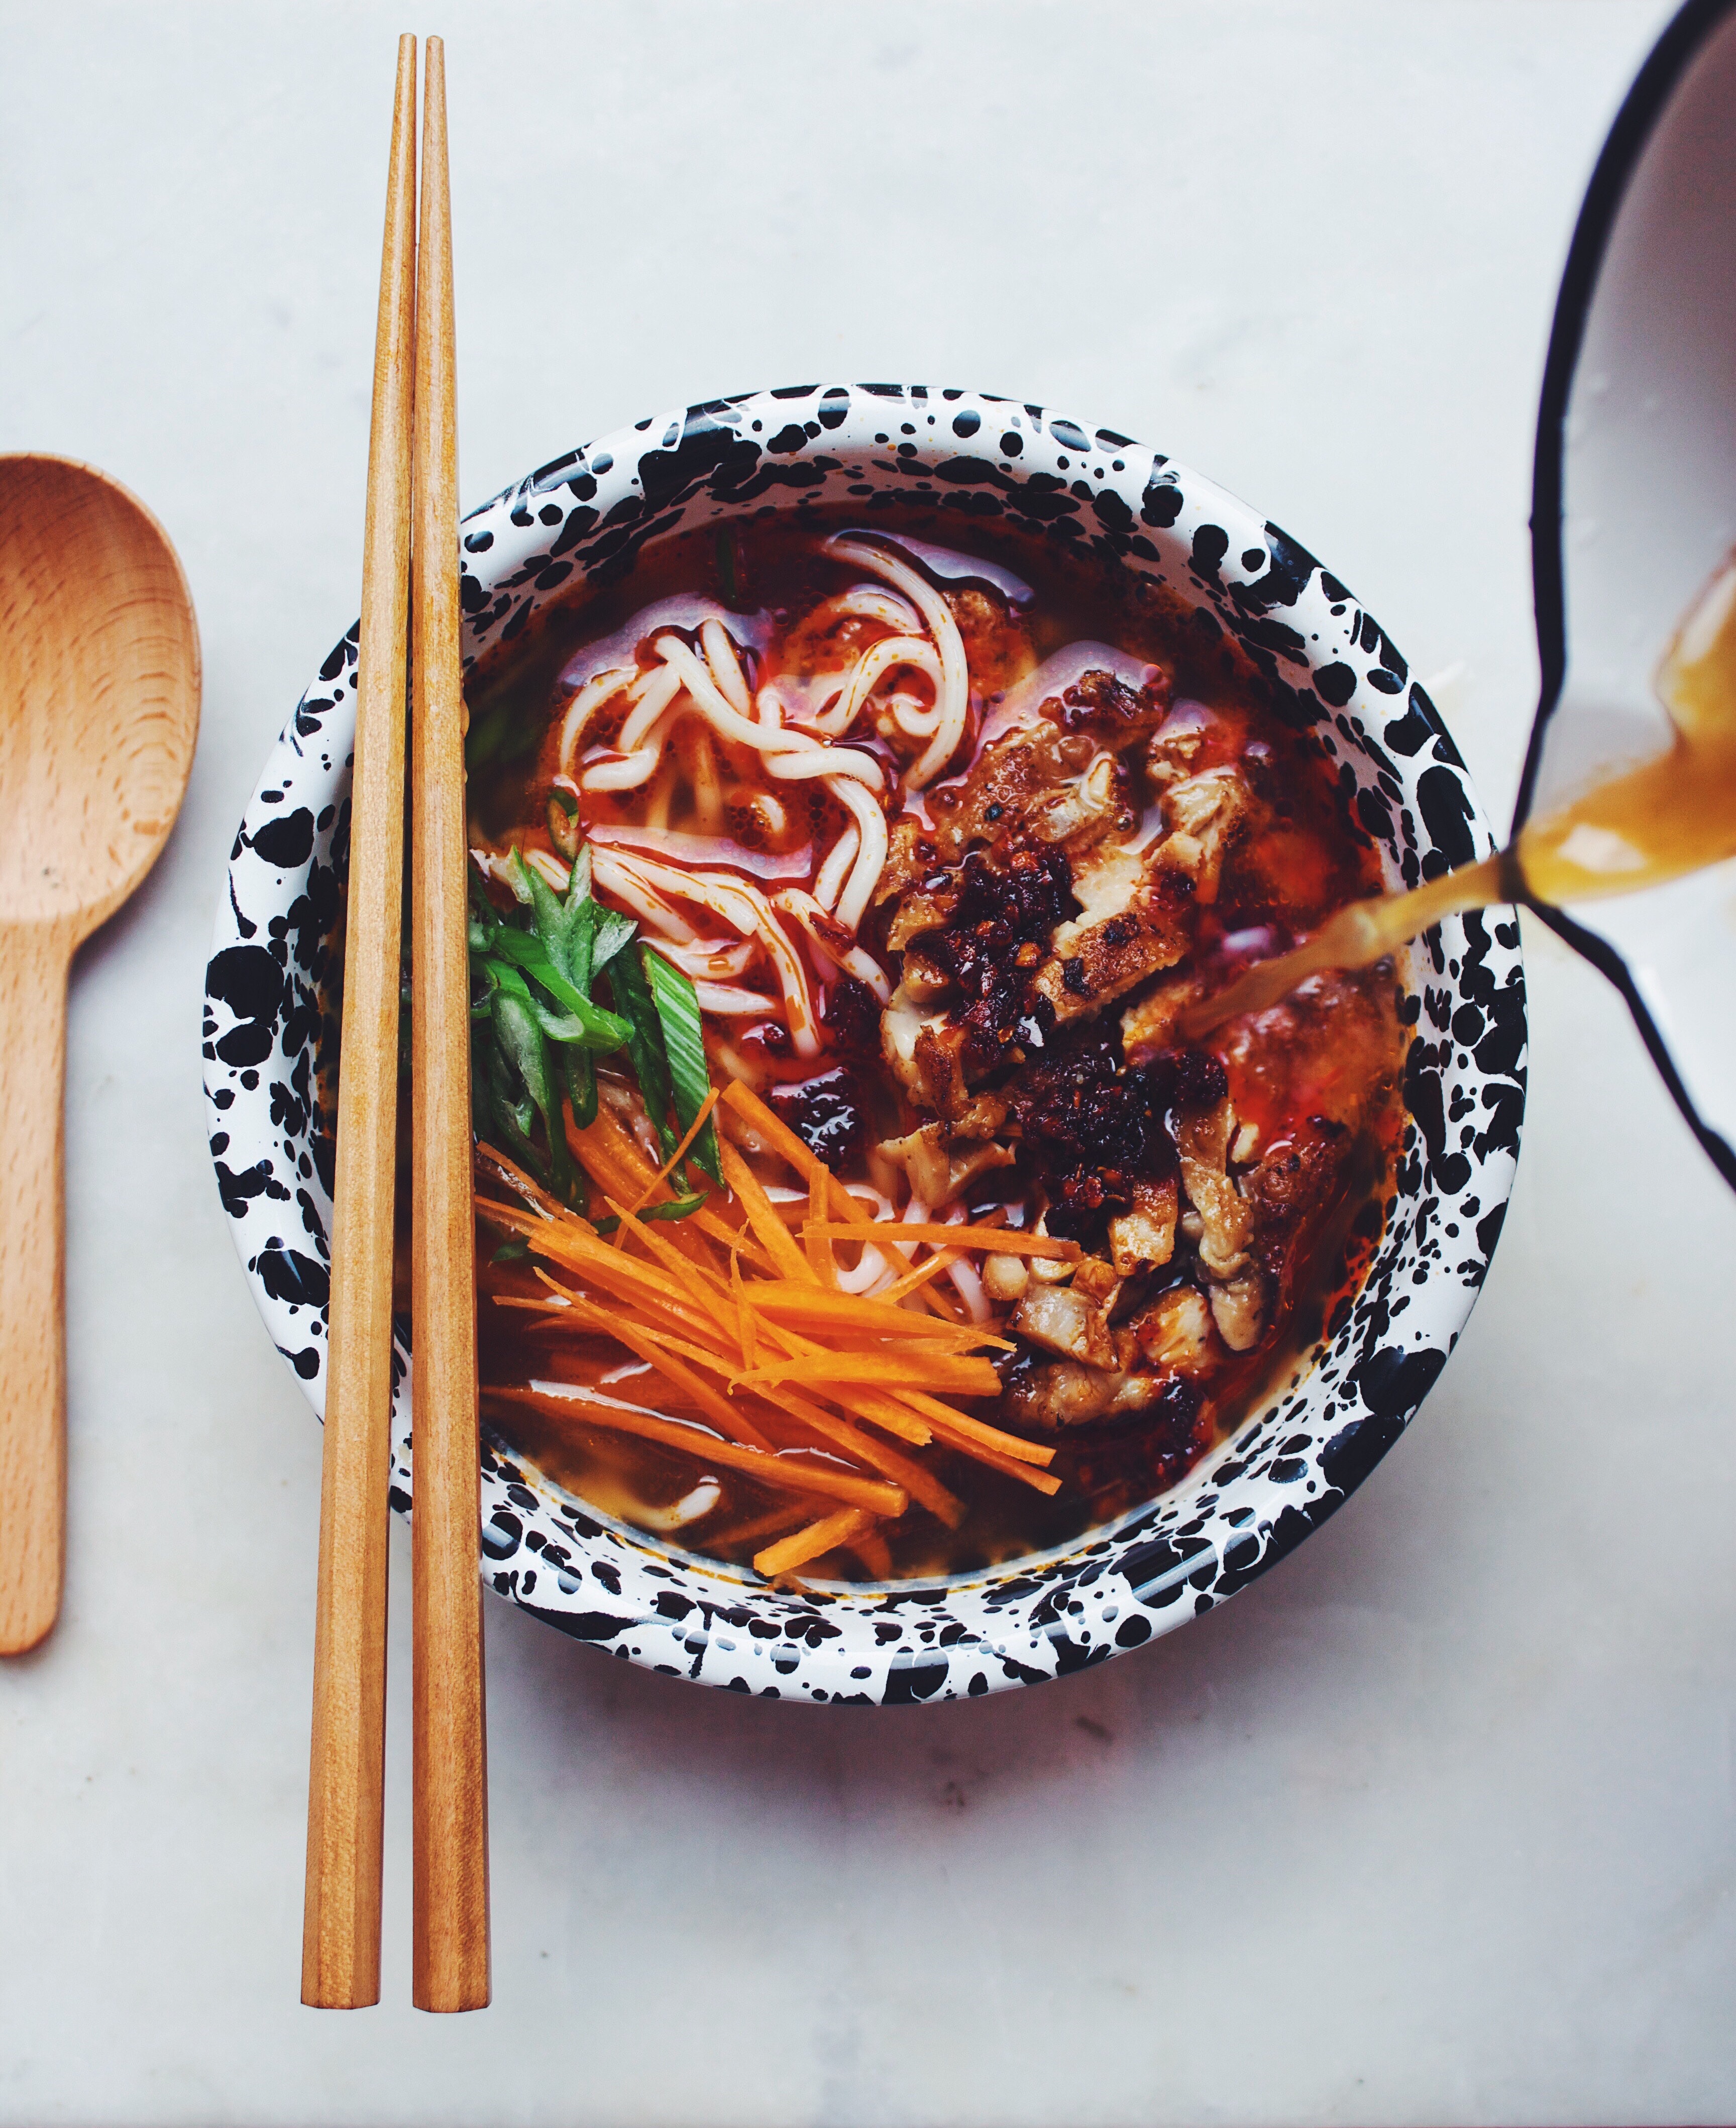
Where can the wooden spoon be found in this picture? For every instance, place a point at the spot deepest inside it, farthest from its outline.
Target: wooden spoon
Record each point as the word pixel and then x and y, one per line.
pixel 99 709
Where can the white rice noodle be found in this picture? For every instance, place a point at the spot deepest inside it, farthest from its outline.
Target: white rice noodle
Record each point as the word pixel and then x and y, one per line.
pixel 834 871
pixel 871 1269
pixel 621 878
pixel 969 1288
pixel 555 870
pixel 701 850
pixel 799 1013
pixel 737 905
pixel 812 761
pixel 830 941
pixel 689 1508
pixel 651 697
pixel 660 795
pixel 494 866
pixel 710 960
pixel 698 757
pixel 871 668
pixel 584 705
pixel 954 691
pixel 725 662
pixel 711 702
pixel 773 817
pixel 769 707
pixel 630 771
pixel 870 602
pixel 725 1002
pixel 871 858
pixel 915 719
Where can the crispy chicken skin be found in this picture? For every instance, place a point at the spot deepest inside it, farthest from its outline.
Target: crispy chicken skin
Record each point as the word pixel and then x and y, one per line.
pixel 1048 920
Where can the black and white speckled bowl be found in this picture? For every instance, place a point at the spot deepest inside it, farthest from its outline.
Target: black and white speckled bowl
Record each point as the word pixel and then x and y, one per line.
pixel 1331 668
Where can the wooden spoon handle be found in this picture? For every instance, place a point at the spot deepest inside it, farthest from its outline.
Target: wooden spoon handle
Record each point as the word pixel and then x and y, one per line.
pixel 34 961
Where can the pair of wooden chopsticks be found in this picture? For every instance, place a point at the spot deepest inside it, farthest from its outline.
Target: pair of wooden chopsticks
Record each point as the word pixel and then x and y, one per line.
pixel 410 566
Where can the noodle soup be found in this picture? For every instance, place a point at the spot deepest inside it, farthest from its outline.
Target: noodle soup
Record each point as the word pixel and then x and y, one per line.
pixel 923 1241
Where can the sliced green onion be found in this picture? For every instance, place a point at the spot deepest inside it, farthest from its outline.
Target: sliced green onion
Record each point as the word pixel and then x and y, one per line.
pixel 633 999
pixel 678 1011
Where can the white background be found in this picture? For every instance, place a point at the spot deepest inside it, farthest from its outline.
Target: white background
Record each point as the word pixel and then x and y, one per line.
pixel 1433 1824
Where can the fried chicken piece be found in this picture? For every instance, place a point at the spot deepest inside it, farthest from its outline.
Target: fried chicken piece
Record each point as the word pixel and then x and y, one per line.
pixel 1064 1322
pixel 1174 1333
pixel 1144 1239
pixel 1202 814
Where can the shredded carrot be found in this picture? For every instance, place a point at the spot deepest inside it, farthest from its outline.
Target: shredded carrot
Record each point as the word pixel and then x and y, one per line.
pixel 1002 1240
pixel 668 1168
pixel 914 1280
pixel 818 1177
pixel 926 1491
pixel 783 1470
pixel 1041 1481
pixel 887 1413
pixel 747 1322
pixel 940 1371
pixel 654 1349
pixel 811 1543
pixel 762 1216
pixel 874 1553
pixel 786 1302
pixel 974 1429
pixel 697 1278
pixel 743 1329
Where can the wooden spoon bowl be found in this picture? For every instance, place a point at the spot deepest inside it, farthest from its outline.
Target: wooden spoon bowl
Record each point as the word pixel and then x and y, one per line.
pixel 99 711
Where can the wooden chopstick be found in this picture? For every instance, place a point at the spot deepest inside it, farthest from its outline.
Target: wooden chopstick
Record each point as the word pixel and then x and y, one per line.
pixel 340 1939
pixel 450 1769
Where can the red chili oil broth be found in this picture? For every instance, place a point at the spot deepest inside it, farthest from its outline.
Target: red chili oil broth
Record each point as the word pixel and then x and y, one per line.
pixel 1315 858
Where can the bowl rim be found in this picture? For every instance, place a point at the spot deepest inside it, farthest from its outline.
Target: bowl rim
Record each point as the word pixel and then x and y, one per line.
pixel 1324 659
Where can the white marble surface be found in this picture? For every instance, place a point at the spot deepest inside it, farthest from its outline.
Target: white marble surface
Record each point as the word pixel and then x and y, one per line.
pixel 1434 1824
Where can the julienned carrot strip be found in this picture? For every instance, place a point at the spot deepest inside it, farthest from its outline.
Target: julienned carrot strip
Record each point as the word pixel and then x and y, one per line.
pixel 780 1523
pixel 654 1349
pixel 812 1542
pixel 926 1491
pixel 774 1235
pixel 699 1279
pixel 748 1105
pixel 668 1168
pixel 1000 1240
pixel 623 1170
pixel 624 1277
pixel 991 1436
pixel 1040 1481
pixel 747 1322
pixel 782 1470
pixel 817 1248
pixel 913 1280
pixel 938 1304
pixel 874 1553
pixel 786 1302
pixel 940 1371
pixel 885 1412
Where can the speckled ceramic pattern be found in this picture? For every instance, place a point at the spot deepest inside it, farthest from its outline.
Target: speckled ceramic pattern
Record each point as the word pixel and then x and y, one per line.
pixel 1330 668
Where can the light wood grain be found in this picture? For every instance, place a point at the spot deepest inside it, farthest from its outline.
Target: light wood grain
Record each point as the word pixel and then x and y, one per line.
pixel 99 713
pixel 340 1936
pixel 451 1965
